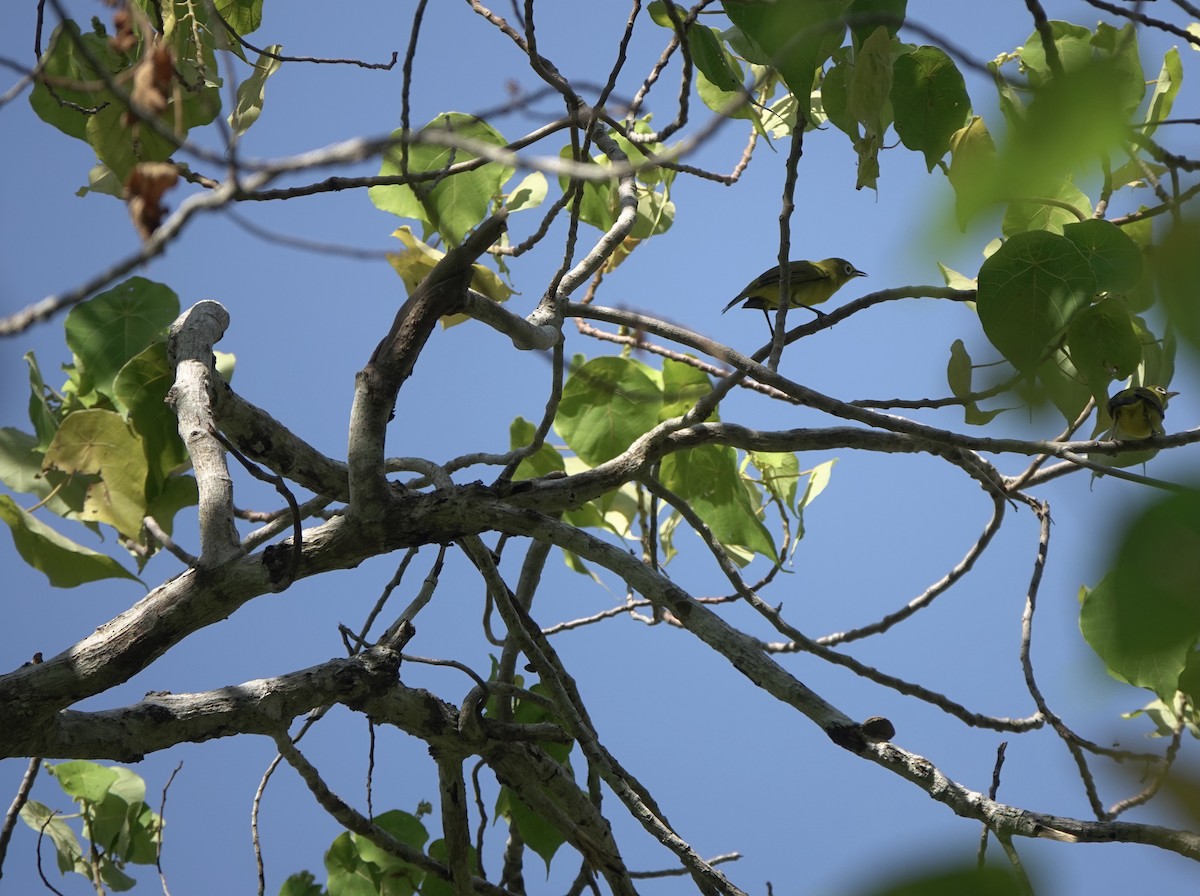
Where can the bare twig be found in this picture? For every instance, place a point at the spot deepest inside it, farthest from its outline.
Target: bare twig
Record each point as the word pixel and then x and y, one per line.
pixel 14 810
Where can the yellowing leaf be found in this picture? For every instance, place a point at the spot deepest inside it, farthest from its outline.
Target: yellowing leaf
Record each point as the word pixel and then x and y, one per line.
pixel 100 442
pixel 419 258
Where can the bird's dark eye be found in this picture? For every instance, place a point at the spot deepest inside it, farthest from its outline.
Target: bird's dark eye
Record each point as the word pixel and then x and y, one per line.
pixel 849 268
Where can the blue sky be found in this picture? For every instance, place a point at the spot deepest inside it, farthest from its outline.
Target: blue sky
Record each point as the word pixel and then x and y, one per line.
pixel 733 770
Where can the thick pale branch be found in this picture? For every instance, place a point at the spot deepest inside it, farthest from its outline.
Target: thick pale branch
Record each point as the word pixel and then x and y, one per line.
pixel 127 644
pixel 190 348
pixel 264 706
pixel 524 335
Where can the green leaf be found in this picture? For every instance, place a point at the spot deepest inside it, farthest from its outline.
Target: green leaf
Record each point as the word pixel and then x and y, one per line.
pixel 68 851
pixel 1142 619
pixel 436 886
pixel 449 205
pixel 655 213
pixel 21 470
pixel 657 10
pixel 539 834
pixel 1051 207
pixel 1115 259
pixel 599 203
pixel 1028 291
pixel 1069 123
pixel 100 442
pixel 795 38
pixel 348 874
pixel 835 99
pixel 529 712
pixel 780 474
pixel 397 877
pixel 1158 353
pixel 1177 271
pixel 109 329
pixel 1104 345
pixel 959 370
pixel 225 363
pixel 707 478
pixel 870 89
pixel 20 461
pixel 244 16
pixel 1116 49
pixel 195 43
pixel 959 376
pixel 529 193
pixel 606 404
pixel 682 386
pixel 1063 384
pixel 115 143
pixel 818 479
pixel 930 100
pixel 947 881
pixel 65 563
pixel 191 98
pixel 83 780
pixel 116 817
pixel 403 826
pixel 253 90
pixel 544 460
pixel 712 60
pixel 730 103
pixel 1166 88
pixel 102 180
pixel 956 280
pixel 302 883
pixel 860 12
pixel 140 390
pixel 1074 46
pixel 711 57
pixel 66 65
pixel 108 825
pixel 45 408
pixel 972 170
pixel 615 511
pixel 145 833
pixel 867 149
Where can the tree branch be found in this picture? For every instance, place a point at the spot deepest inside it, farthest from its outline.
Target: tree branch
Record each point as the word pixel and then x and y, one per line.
pixel 190 350
pixel 377 384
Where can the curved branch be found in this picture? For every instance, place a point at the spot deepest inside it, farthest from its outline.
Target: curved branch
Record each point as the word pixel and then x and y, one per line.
pixel 392 362
pixel 933 591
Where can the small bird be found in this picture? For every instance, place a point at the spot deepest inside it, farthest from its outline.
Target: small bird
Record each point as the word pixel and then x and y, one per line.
pixel 810 282
pixel 1137 413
